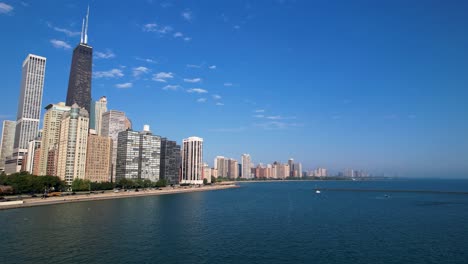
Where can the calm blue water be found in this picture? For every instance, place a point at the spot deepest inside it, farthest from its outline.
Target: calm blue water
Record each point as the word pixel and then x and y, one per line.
pixel 258 223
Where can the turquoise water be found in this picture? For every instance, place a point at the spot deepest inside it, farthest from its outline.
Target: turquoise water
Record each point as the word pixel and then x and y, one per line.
pixel 279 222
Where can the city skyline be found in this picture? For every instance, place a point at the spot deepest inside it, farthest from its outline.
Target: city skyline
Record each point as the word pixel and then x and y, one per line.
pixel 394 129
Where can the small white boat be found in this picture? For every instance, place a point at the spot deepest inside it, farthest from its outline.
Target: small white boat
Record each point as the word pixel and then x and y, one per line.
pixel 317 191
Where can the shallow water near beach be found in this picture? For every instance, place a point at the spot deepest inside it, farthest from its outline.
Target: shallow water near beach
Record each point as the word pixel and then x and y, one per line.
pixel 277 222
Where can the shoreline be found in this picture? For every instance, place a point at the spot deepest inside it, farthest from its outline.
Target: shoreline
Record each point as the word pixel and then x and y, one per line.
pixel 111 195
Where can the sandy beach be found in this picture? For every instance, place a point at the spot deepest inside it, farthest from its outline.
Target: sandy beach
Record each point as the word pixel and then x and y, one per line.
pixel 113 195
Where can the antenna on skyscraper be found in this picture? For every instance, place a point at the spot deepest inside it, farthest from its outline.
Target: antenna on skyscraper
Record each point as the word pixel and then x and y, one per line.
pixel 86 28
pixel 82 29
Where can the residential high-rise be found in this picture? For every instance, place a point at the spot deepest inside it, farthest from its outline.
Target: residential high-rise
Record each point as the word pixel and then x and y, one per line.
pixel 192 161
pixel 73 144
pixel 97 110
pixel 206 172
pixel 233 169
pixel 128 154
pixel 29 109
pixel 113 122
pixel 246 166
pixel 6 143
pixel 138 155
pixel 291 168
pixel 150 155
pixel 170 161
pixel 221 165
pixel 98 158
pixel 79 83
pixel 32 157
pixel 51 133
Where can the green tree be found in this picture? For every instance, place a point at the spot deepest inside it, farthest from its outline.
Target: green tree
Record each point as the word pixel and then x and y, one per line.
pixel 205 181
pixel 213 179
pixel 161 183
pixel 80 185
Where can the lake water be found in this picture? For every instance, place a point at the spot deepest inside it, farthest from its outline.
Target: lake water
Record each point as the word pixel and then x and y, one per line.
pixel 279 222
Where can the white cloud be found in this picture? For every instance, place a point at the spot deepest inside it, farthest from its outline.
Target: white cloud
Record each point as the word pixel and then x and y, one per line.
pixel 64 30
pixel 194 80
pixel 171 87
pixel 162 76
pixel 228 84
pixel 274 125
pixel 236 27
pixel 114 73
pixel 216 96
pixel 5 8
pixel 278 117
pixel 124 85
pixel 197 90
pixel 153 27
pixel 259 111
pixel 201 100
pixel 60 44
pixel 178 35
pixel 187 39
pixel 108 54
pixel 187 15
pixel 147 60
pixel 138 71
pixel 259 116
pixel 212 67
pixel 219 104
pixel 193 66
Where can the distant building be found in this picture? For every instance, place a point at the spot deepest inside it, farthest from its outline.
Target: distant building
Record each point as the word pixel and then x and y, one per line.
pixel 214 172
pixel 113 122
pixel 170 161
pixel 6 143
pixel 221 165
pixel 73 144
pixel 206 172
pixel 32 157
pixel 138 155
pixel 51 133
pixel 98 158
pixel 192 161
pixel 233 169
pixel 29 109
pixel 97 110
pixel 246 166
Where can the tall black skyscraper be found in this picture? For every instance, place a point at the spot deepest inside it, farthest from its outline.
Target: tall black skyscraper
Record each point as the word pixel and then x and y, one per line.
pixel 79 84
pixel 170 161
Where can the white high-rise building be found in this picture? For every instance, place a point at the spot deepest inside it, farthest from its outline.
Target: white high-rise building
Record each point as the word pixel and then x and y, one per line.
pixel 100 107
pixel 29 109
pixel 6 143
pixel 192 161
pixel 246 166
pixel 51 132
pixel 73 144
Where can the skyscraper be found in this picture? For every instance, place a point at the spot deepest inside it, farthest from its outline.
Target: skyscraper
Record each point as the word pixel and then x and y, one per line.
pixel 29 109
pixel 233 169
pixel 150 155
pixel 221 165
pixel 170 161
pixel 246 166
pixel 99 108
pixel 112 123
pixel 32 157
pixel 138 155
pixel 73 144
pixel 79 83
pixel 51 133
pixel 98 158
pixel 192 161
pixel 6 143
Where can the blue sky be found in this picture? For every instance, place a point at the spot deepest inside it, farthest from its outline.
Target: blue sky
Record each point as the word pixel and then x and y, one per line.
pixel 373 85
